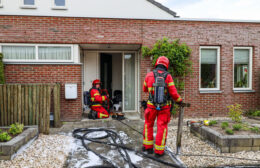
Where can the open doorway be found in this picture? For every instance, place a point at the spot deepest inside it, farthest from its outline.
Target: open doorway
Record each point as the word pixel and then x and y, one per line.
pixel 118 72
pixel 111 77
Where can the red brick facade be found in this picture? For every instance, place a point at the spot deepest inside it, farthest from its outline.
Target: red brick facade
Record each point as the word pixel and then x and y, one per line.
pixel 70 109
pixel 25 29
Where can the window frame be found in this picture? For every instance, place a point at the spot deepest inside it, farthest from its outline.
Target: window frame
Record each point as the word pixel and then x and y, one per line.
pixel 218 68
pixel 250 68
pixel 59 7
pixel 23 6
pixel 1 4
pixel 37 60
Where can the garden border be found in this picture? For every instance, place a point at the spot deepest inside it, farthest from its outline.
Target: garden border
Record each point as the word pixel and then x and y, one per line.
pixel 227 143
pixel 7 149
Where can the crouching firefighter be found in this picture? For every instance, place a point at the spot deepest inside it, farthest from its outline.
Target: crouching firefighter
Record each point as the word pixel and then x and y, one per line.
pixel 97 110
pixel 160 86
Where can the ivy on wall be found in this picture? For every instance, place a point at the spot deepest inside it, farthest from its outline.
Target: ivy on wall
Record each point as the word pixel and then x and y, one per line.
pixel 2 77
pixel 178 55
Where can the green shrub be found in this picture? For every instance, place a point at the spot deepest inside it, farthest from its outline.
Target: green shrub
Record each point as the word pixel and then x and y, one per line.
pixel 256 113
pixel 229 131
pixel 224 125
pixel 235 112
pixel 16 128
pixel 4 137
pixel 212 122
pixel 237 127
pixel 255 129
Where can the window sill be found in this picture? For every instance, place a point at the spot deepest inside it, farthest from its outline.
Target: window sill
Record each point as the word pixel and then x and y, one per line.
pixel 28 7
pixel 59 8
pixel 210 91
pixel 244 91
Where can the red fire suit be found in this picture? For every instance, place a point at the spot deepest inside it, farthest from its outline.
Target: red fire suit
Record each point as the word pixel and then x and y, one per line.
pixel 97 101
pixel 163 115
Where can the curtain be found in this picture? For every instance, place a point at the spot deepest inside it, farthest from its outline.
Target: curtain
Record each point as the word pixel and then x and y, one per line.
pixel 54 53
pixel 208 56
pixel 129 77
pixel 18 52
pixel 241 56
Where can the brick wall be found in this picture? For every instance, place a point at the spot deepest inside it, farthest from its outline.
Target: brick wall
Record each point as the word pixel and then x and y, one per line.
pixel 70 109
pixel 25 29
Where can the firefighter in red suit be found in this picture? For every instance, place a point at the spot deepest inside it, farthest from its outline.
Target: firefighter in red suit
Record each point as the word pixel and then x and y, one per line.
pixel 163 113
pixel 98 111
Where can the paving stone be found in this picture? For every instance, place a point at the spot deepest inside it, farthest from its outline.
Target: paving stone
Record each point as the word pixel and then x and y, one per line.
pixel 7 150
pixel 256 140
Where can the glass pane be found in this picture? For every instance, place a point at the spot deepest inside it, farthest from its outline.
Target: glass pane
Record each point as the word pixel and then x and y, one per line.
pixel 241 76
pixel 59 2
pixel 208 68
pixel 209 56
pixel 129 82
pixel 28 2
pixel 55 53
pixel 18 52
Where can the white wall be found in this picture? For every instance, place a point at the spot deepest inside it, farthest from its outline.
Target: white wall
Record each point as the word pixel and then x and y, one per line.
pixel 117 72
pixel 139 9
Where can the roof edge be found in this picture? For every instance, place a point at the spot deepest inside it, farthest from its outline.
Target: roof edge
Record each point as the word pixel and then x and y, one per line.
pixel 164 8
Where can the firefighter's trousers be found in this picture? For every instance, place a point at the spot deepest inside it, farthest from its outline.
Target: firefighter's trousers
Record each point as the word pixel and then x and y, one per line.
pixel 101 111
pixel 163 118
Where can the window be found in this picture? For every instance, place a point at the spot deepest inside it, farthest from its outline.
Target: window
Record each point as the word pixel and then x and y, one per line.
pixel 1 3
pixel 242 68
pixel 59 4
pixel 28 4
pixel 209 68
pixel 37 53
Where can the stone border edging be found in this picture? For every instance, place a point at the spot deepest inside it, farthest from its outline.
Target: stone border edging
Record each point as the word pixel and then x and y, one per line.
pixel 7 149
pixel 227 143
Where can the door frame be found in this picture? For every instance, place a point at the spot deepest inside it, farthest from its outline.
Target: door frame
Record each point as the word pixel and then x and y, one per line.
pixel 137 75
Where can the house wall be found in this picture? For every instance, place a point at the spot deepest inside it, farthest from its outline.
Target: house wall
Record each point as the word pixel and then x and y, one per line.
pixel 25 29
pixel 71 110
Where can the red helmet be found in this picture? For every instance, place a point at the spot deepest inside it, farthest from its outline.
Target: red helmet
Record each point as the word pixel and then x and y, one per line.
pixel 97 81
pixel 162 60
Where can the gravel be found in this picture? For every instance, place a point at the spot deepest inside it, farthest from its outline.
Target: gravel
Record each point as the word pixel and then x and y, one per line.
pixel 48 151
pixel 193 145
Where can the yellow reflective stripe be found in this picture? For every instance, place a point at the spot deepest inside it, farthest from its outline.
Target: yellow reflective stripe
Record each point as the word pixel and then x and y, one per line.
pixel 179 99
pixel 96 105
pixel 164 135
pixel 157 147
pixel 92 98
pixel 146 132
pixel 150 103
pixel 96 94
pixel 145 84
pixel 103 115
pixel 171 84
pixel 167 104
pixel 150 89
pixel 103 98
pixel 145 142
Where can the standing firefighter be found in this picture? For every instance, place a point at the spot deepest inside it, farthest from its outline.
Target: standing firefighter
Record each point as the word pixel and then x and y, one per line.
pixel 98 111
pixel 160 86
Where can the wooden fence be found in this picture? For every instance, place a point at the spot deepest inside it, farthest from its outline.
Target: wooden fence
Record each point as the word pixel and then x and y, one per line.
pixel 30 104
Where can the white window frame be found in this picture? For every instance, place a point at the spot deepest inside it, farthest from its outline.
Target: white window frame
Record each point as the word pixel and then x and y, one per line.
pixel 250 67
pixel 59 7
pixel 23 6
pixel 1 4
pixel 37 60
pixel 218 68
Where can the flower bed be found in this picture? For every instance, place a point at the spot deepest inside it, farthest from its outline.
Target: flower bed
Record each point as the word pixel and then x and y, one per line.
pixel 241 141
pixel 7 149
